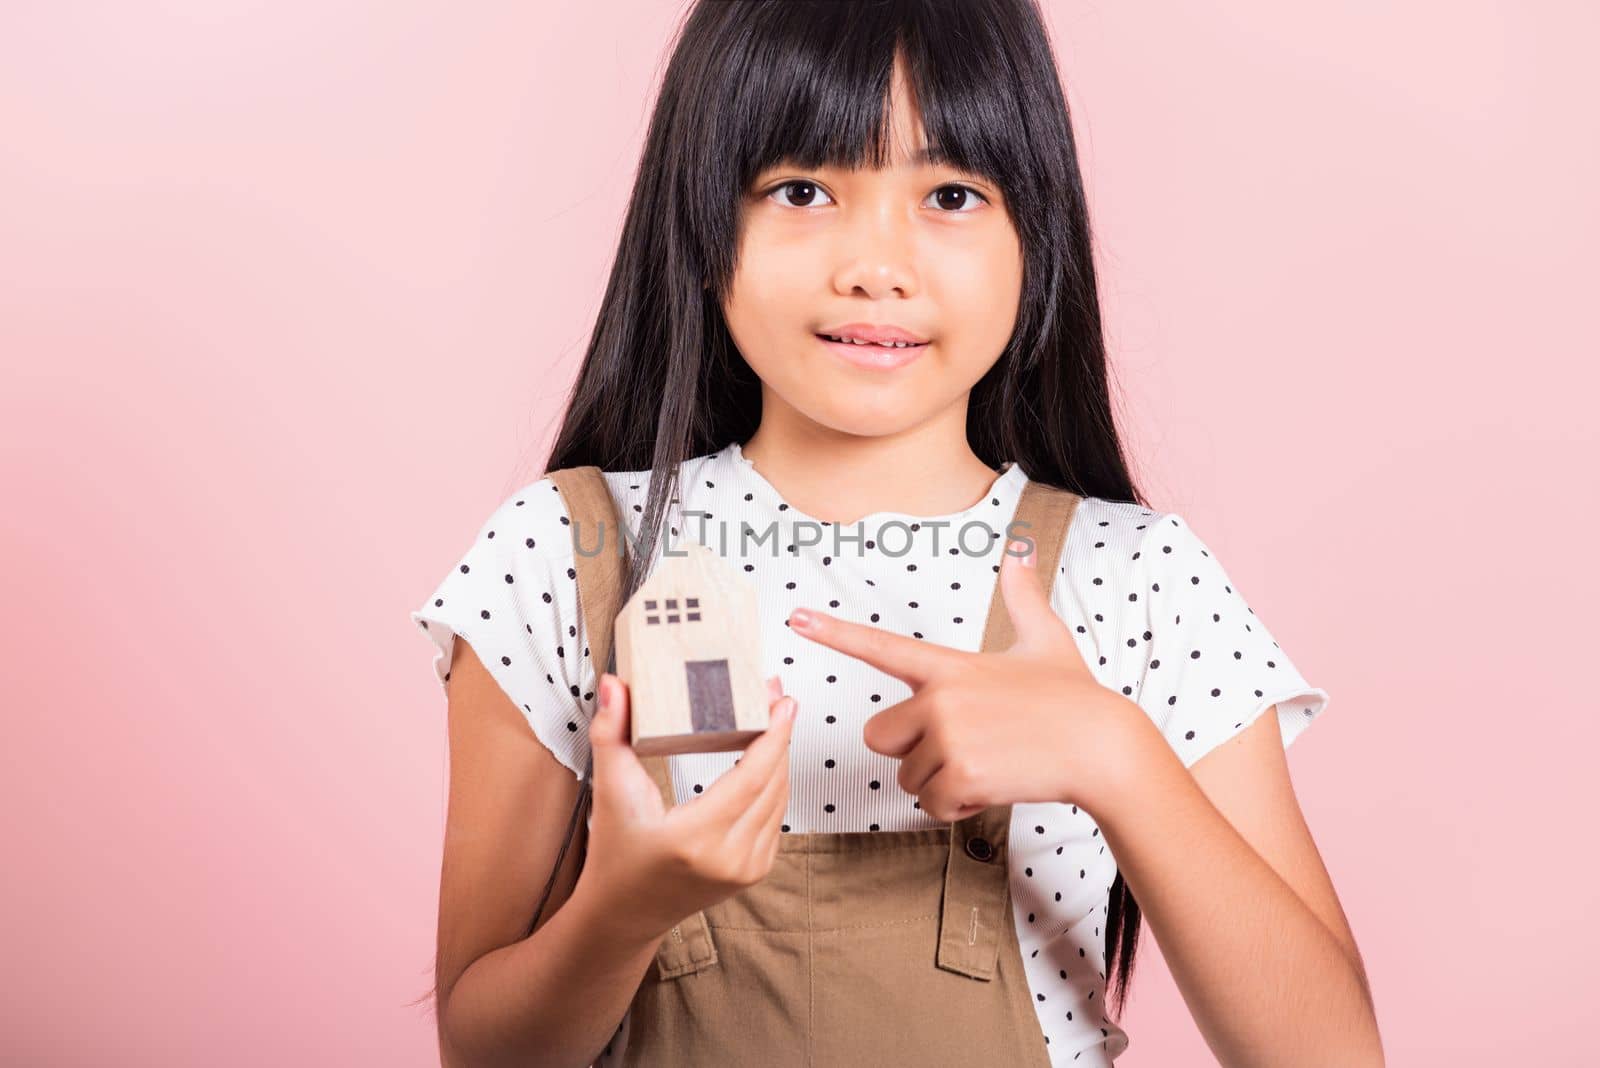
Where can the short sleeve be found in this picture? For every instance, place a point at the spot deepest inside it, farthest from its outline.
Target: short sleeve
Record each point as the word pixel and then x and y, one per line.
pixel 1211 666
pixel 514 597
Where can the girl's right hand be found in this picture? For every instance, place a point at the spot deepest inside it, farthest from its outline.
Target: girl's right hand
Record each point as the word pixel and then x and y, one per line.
pixel 652 866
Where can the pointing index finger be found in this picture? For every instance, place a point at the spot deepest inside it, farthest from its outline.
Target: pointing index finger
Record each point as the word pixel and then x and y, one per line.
pixel 911 660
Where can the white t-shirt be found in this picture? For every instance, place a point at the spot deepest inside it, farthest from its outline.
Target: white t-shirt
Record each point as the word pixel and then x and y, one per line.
pixel 1155 616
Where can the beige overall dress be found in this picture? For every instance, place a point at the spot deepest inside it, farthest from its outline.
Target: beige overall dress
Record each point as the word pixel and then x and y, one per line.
pixel 874 948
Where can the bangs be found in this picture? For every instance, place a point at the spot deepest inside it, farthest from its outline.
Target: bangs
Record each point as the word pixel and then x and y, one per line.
pixel 809 82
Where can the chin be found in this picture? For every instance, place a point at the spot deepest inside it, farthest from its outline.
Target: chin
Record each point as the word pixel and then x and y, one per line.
pixel 843 414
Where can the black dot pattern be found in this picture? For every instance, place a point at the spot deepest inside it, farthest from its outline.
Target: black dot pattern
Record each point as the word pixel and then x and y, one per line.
pixel 1154 615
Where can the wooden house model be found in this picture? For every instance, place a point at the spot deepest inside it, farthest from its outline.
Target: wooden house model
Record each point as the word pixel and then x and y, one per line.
pixel 688 646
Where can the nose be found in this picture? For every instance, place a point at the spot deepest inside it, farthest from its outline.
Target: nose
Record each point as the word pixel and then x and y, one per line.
pixel 877 255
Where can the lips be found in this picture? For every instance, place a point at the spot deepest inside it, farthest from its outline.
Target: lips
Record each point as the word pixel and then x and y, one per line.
pixel 872 356
pixel 872 333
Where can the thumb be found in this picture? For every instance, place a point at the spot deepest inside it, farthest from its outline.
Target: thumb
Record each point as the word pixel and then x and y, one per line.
pixel 609 729
pixel 619 776
pixel 1026 597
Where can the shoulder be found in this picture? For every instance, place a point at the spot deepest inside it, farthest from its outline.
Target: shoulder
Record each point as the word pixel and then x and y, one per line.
pixel 531 520
pixel 1099 517
pixel 1114 544
pixel 516 570
pixel 1123 561
pixel 1103 548
pixel 1117 558
pixel 535 517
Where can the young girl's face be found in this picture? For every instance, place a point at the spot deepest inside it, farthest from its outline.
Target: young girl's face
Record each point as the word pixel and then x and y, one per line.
pixel 929 249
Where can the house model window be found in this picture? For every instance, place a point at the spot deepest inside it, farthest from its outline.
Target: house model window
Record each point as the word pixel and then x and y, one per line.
pixel 691 610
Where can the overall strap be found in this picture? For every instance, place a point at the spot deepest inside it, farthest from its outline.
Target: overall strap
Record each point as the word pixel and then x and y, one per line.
pixel 977 888
pixel 601 574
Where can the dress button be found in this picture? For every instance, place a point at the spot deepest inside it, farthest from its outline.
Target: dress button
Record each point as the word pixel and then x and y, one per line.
pixel 980 849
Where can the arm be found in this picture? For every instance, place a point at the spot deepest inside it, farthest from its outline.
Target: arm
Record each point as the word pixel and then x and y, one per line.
pixel 1224 868
pixel 557 996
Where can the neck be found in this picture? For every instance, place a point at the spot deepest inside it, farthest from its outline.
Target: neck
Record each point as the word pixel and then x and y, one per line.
pixel 839 477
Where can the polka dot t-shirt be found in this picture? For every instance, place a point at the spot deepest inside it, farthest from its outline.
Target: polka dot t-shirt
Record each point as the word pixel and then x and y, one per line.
pixel 1154 613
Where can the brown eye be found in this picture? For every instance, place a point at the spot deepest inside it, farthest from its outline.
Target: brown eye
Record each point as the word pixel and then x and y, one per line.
pixel 955 196
pixel 807 193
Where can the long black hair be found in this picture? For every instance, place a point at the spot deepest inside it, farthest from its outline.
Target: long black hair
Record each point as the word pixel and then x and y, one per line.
pixel 752 83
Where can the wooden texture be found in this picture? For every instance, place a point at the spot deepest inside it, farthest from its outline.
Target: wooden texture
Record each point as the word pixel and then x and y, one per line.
pixel 688 646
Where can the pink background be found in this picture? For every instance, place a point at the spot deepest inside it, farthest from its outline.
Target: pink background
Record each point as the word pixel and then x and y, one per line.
pixel 289 299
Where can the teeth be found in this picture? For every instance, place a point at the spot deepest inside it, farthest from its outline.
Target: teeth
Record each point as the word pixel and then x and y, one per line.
pixel 881 344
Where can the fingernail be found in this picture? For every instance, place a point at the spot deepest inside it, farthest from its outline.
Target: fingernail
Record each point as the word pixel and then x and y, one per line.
pixel 605 695
pixel 801 618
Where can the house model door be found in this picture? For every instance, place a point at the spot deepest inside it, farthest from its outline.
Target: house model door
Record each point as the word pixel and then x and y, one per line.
pixel 710 695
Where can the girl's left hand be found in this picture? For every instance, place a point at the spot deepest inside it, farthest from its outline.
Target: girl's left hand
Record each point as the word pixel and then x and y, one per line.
pixel 1030 724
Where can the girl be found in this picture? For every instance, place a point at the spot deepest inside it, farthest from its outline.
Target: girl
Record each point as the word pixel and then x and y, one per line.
pixel 855 308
